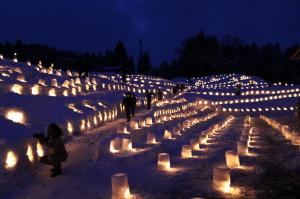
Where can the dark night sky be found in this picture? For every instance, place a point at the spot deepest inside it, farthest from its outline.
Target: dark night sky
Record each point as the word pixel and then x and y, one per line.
pixel 96 25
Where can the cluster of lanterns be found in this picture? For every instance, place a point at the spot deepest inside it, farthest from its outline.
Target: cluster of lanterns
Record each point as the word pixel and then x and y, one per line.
pixel 286 132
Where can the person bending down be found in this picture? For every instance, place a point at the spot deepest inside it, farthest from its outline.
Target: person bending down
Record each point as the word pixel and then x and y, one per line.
pixel 56 148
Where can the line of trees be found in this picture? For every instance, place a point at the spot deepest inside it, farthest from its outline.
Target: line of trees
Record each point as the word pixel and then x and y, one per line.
pixel 203 55
pixel 77 61
pixel 200 55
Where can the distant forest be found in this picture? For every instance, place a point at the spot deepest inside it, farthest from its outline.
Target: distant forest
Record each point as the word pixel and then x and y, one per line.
pixel 200 55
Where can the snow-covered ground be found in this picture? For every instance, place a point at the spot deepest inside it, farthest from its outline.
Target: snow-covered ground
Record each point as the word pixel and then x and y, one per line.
pixel 198 118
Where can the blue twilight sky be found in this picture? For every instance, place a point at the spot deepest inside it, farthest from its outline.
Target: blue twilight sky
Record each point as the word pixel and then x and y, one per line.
pixel 96 25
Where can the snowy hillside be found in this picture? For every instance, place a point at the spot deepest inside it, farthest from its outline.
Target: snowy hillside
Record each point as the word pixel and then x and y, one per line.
pixel 172 151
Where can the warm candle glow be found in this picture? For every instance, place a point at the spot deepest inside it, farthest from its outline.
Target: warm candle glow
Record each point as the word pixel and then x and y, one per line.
pixel 163 162
pixel 11 160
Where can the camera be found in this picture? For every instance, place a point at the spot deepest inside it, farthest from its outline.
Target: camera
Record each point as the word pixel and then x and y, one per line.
pixel 38 135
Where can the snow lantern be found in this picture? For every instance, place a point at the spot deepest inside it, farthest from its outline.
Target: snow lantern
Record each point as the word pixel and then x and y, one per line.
pixel 65 93
pixel 66 84
pixel 194 144
pixel 232 159
pixel 70 128
pixel 221 178
pixel 21 78
pixel 120 187
pixel 148 121
pixel 203 138
pixel 11 160
pixel 151 138
pixel 52 92
pixel 42 82
pixel 163 162
pixel 126 144
pixel 186 151
pixel 115 145
pixel 35 89
pixel 15 116
pixel 54 83
pixel 16 88
pixel 167 134
pixel 40 150
pixel 29 153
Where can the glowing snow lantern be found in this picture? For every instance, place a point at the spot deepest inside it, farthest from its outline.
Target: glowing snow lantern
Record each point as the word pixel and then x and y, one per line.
pixel 115 145
pixel 82 125
pixel 194 144
pixel 70 128
pixel 126 144
pixel 203 139
pixel 11 160
pixel 21 78
pixel 151 138
pixel 77 81
pixel 242 148
pixel 186 151
pixel 42 82
pixel 39 150
pixel 163 162
pixel 35 90
pixel 16 88
pixel 232 159
pixel 65 93
pixel 54 83
pixel 74 91
pixel 30 154
pixel 1 56
pixel 66 84
pixel 52 92
pixel 221 178
pixel 167 134
pixel 15 116
pixel 120 188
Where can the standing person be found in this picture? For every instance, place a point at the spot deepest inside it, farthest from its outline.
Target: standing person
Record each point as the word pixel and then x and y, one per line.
pixel 133 104
pixel 124 78
pixel 149 99
pixel 298 112
pixel 159 95
pixel 56 148
pixel 174 90
pixel 127 103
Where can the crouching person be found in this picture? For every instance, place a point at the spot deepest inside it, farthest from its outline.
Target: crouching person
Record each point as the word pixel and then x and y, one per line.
pixel 56 148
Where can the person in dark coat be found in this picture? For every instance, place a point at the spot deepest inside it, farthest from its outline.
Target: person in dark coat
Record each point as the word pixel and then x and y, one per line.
pixel 133 104
pixel 298 112
pixel 149 99
pixel 159 94
pixel 124 78
pixel 127 103
pixel 56 149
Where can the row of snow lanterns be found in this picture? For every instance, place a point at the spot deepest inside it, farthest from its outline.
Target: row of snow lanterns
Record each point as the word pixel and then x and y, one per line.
pixel 257 92
pixel 288 134
pixel 292 108
pixel 221 173
pixel 11 159
pixel 163 162
pixel 120 145
pixel 86 124
pixel 261 99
